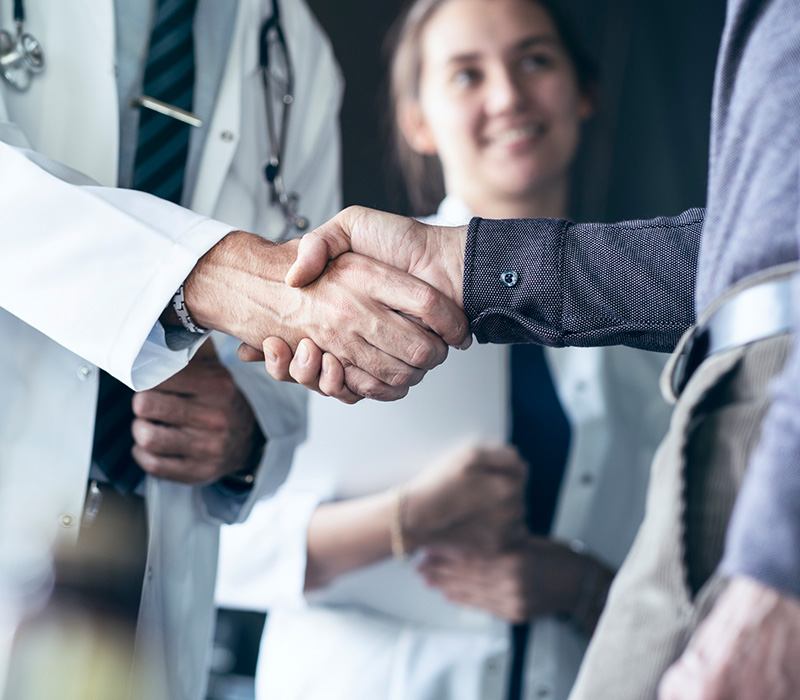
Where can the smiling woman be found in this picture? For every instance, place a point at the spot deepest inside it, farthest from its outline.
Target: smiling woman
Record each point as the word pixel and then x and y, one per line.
pixel 498 102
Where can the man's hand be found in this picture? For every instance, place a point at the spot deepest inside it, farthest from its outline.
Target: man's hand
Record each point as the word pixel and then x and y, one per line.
pixel 747 648
pixel 350 311
pixel 534 577
pixel 434 254
pixel 196 427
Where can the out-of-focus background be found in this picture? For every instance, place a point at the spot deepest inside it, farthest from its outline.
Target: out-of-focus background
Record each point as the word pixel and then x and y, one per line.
pixel 645 153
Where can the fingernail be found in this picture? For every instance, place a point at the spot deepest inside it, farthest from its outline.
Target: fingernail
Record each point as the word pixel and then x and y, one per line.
pixel 466 344
pixel 270 356
pixel 302 354
pixel 326 365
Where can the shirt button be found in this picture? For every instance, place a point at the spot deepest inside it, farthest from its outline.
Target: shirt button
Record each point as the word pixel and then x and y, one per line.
pixel 67 520
pixel 226 135
pixel 85 372
pixel 509 278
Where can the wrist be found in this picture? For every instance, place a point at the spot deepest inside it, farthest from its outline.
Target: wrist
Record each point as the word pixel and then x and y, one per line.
pixel 447 254
pixel 416 529
pixel 401 549
pixel 243 478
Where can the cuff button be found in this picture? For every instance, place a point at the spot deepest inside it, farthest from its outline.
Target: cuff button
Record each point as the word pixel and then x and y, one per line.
pixel 509 278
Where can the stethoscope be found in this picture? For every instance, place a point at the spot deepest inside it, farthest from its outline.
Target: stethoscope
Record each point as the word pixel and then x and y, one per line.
pixel 271 35
pixel 21 56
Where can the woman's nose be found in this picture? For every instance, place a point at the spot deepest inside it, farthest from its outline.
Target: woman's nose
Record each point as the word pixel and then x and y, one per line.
pixel 505 93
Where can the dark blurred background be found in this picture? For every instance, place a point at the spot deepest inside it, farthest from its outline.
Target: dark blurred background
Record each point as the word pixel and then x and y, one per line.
pixel 645 153
pixel 646 150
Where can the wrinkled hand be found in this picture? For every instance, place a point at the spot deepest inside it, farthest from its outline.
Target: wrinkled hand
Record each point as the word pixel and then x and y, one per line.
pixel 474 498
pixel 747 648
pixel 434 254
pixel 196 427
pixel 349 312
pixel 535 577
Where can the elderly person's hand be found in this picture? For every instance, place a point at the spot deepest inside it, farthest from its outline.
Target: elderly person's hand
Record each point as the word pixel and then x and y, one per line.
pixel 747 649
pixel 385 327
pixel 535 576
pixel 196 427
pixel 434 254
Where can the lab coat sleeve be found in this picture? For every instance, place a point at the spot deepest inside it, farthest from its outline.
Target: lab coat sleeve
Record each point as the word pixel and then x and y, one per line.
pixel 263 560
pixel 93 267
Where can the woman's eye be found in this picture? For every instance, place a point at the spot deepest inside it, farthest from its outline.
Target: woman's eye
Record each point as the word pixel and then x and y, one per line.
pixel 535 61
pixel 467 77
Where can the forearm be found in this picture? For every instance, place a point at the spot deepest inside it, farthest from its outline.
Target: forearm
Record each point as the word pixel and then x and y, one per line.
pixel 95 268
pixel 348 535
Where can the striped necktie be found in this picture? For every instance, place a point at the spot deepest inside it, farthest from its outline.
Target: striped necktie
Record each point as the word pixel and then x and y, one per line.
pixel 169 76
pixel 159 166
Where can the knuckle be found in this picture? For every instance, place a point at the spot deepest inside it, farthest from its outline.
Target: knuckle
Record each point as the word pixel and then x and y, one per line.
pixel 144 433
pixel 144 403
pixel 216 421
pixel 383 392
pixel 399 376
pixel 216 446
pixel 427 352
pixel 427 299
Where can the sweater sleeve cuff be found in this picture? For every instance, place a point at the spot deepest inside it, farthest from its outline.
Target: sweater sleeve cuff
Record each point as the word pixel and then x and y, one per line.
pixel 512 287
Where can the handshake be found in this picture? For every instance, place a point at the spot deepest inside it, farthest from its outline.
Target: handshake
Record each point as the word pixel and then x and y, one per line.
pixel 361 307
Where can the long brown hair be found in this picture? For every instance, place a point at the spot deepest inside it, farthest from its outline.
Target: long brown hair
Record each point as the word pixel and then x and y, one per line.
pixel 422 174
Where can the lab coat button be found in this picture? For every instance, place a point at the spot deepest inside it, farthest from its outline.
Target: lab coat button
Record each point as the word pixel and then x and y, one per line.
pixel 509 278
pixel 587 478
pixel 67 520
pixel 226 135
pixel 85 372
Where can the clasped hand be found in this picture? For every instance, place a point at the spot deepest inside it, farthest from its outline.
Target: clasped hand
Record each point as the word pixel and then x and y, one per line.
pixel 362 325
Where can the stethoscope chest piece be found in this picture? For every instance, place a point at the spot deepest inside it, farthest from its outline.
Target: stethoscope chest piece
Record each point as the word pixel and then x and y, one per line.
pixel 21 57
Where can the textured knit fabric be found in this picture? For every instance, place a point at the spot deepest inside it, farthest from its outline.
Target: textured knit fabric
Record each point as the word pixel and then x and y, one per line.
pixel 634 283
pixel 583 284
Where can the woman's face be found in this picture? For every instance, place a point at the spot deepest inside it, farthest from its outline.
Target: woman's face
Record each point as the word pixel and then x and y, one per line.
pixel 499 101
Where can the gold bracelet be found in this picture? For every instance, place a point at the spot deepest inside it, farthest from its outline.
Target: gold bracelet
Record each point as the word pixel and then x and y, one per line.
pixel 399 550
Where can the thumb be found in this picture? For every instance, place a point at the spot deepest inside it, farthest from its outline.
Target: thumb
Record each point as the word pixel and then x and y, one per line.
pixel 316 248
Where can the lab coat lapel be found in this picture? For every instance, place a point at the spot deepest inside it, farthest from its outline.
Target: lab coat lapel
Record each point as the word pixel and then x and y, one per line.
pixel 77 37
pixel 224 131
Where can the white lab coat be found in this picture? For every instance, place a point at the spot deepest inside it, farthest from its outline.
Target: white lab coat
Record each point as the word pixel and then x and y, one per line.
pixel 378 632
pixel 86 269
